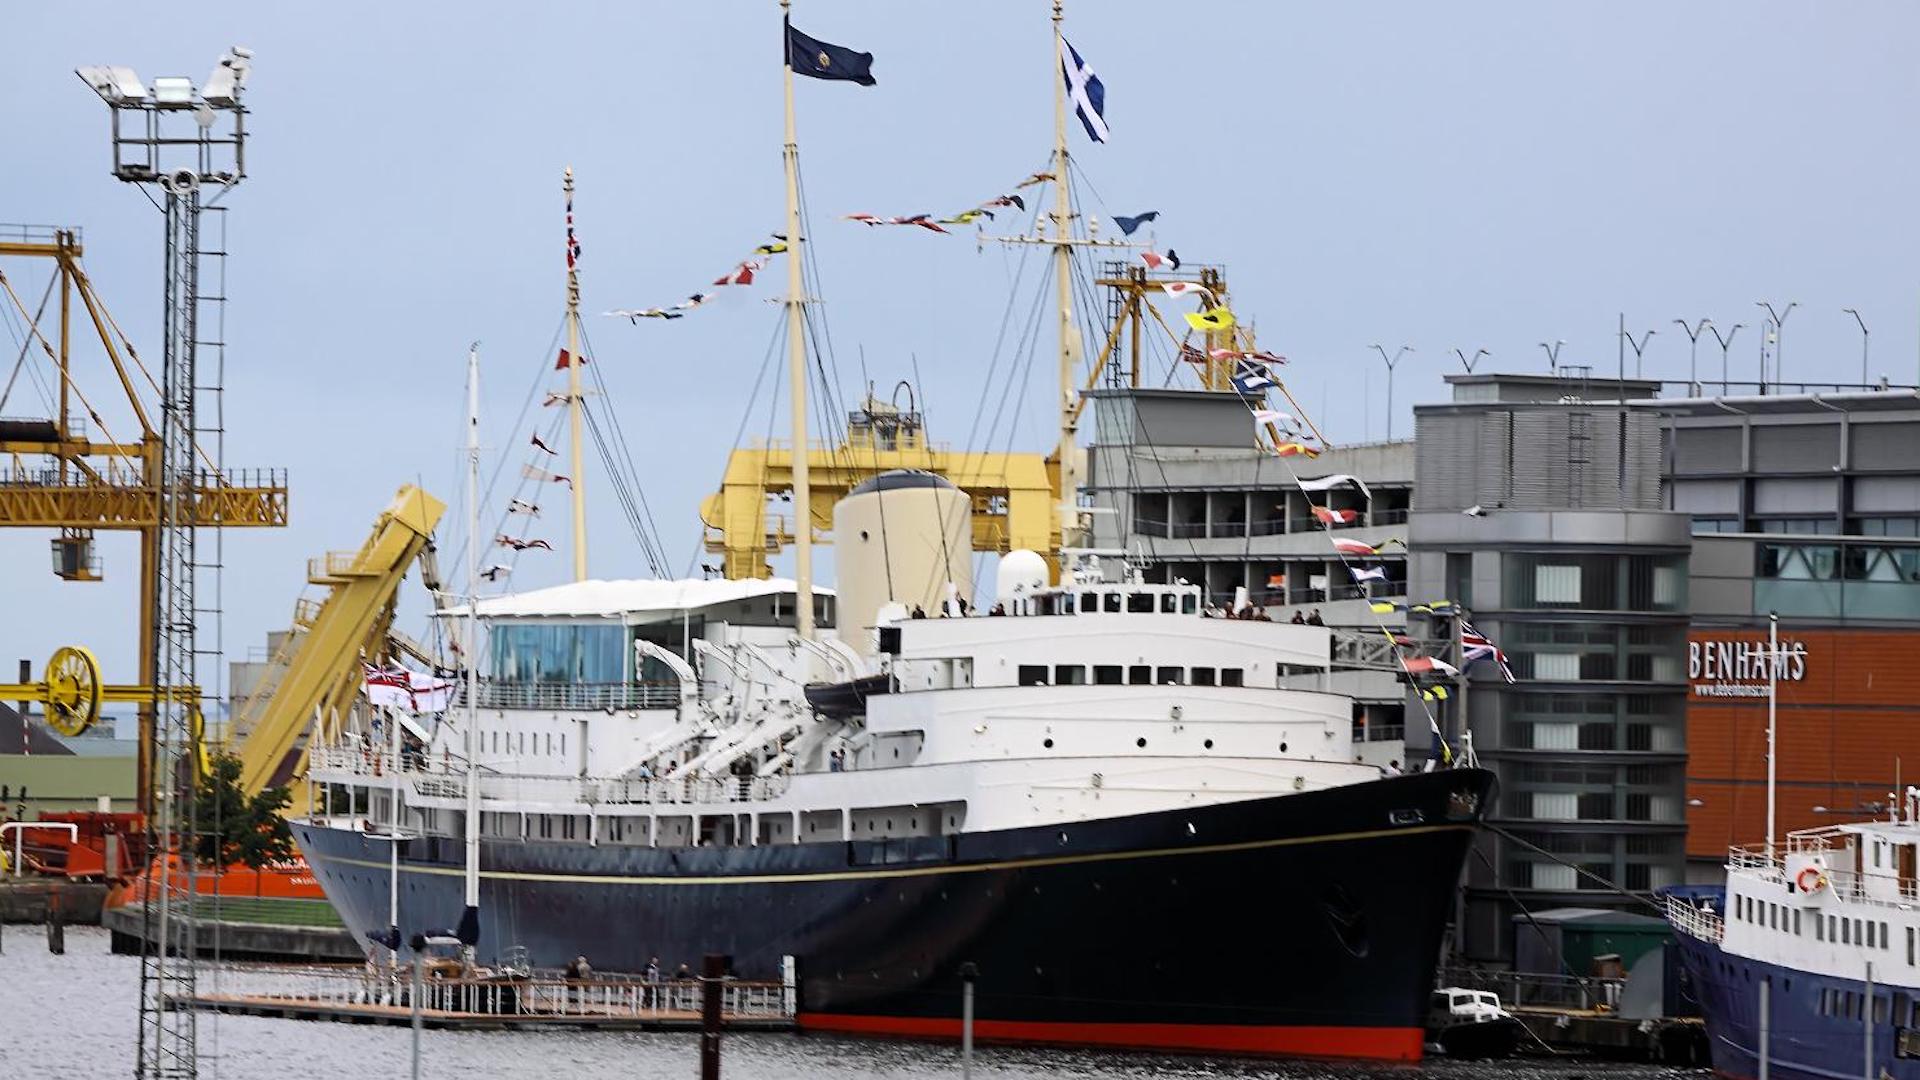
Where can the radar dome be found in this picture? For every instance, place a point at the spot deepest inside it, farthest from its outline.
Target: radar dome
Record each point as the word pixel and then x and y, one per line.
pixel 1021 572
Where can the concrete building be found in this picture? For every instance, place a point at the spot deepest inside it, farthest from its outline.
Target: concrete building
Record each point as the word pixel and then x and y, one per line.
pixel 1177 483
pixel 1538 509
pixel 1808 506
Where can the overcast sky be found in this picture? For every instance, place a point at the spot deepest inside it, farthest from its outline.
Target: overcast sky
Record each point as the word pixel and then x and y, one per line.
pixel 1461 175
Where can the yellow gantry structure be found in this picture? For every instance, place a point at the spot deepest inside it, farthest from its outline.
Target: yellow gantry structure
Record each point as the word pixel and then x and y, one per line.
pixel 321 671
pixel 78 477
pixel 1013 494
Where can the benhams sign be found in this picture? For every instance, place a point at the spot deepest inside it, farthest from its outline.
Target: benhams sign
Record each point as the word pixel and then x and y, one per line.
pixel 1738 669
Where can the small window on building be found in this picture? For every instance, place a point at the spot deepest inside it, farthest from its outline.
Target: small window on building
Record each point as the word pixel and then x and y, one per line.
pixel 1069 675
pixel 1140 603
pixel 1232 676
pixel 1033 674
pixel 1106 674
pixel 1169 604
pixel 1139 675
pixel 1113 603
pixel 1203 676
pixel 1167 676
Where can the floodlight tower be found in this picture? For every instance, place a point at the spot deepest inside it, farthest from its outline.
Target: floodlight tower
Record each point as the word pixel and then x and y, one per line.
pixel 181 141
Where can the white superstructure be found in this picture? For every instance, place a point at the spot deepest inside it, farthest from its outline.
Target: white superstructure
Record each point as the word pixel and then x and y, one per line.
pixel 1828 901
pixel 675 713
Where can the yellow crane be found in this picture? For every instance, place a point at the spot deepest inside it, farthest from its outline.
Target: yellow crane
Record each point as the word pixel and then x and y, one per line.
pixel 79 478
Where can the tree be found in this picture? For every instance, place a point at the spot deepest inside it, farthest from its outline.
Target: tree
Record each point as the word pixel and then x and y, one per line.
pixel 234 828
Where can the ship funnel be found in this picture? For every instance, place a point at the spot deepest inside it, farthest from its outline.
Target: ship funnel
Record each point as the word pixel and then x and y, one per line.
pixel 901 538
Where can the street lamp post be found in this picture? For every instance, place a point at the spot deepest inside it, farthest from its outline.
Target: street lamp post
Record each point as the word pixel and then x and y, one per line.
pixel 1693 352
pixel 1553 355
pixel 1391 363
pixel 1639 349
pixel 1468 362
pixel 1726 343
pixel 1863 342
pixel 1779 336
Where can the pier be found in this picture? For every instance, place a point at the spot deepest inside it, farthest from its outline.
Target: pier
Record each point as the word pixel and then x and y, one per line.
pixel 610 1003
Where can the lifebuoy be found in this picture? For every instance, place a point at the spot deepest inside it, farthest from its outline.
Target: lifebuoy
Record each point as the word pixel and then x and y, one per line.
pixel 1810 879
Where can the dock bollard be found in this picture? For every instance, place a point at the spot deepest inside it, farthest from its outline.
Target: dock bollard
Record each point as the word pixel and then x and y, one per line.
pixel 56 925
pixel 713 972
pixel 968 972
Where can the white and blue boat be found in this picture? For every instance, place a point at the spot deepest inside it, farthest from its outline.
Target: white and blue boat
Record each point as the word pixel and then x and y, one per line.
pixel 1805 963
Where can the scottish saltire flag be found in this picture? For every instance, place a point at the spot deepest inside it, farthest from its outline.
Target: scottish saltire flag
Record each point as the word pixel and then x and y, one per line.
pixel 817 59
pixel 1085 90
pixel 1251 379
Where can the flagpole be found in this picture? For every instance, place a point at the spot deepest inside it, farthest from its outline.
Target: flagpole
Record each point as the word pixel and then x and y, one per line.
pixel 579 476
pixel 1773 704
pixel 472 847
pixel 797 365
pixel 1062 272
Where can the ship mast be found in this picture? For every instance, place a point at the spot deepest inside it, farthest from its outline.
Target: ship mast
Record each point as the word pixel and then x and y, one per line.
pixel 1069 492
pixel 579 472
pixel 470 918
pixel 796 375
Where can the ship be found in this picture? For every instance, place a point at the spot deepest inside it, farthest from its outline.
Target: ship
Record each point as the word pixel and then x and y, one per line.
pixel 1122 816
pixel 1804 961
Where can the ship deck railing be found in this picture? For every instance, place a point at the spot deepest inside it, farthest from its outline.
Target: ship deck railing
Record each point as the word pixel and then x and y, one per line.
pixel 1693 920
pixel 575 696
pixel 540 995
pixel 447 779
pixel 1878 890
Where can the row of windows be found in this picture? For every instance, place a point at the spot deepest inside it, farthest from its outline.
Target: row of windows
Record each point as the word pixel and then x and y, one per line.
pixel 516 743
pixel 1848 1005
pixel 1843 930
pixel 1133 675
pixel 1812 526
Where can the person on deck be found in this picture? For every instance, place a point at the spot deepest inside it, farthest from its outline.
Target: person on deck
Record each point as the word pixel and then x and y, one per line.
pixel 1314 619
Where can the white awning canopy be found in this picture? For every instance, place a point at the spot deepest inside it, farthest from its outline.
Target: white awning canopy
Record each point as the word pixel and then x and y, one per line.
pixel 632 600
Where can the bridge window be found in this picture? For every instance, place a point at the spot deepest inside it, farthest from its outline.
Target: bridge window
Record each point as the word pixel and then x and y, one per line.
pixel 1169 604
pixel 560 653
pixel 1189 604
pixel 1106 674
pixel 1140 603
pixel 1167 676
pixel 1232 676
pixel 1113 603
pixel 1203 676
pixel 1139 675
pixel 1033 674
pixel 1069 675
pixel 1089 603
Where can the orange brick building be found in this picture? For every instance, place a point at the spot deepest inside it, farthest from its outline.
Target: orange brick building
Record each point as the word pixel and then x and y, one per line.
pixel 1849 724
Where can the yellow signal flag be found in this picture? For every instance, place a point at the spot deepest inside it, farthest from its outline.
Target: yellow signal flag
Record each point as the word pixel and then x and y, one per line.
pixel 778 247
pixel 1218 318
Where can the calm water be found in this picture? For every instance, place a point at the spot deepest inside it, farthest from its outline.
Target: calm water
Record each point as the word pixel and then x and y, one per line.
pixel 73 1016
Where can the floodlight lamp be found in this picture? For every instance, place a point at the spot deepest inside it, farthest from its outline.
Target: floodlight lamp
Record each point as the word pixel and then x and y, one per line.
pixel 113 83
pixel 173 90
pixel 221 86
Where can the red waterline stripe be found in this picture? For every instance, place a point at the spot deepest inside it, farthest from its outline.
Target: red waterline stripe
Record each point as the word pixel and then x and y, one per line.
pixel 1367 1043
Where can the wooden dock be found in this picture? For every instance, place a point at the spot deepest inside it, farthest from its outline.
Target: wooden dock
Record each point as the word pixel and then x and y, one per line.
pixel 605 1004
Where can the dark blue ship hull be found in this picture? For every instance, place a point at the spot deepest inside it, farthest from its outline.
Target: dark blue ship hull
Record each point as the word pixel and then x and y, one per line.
pixel 1816 1031
pixel 1307 924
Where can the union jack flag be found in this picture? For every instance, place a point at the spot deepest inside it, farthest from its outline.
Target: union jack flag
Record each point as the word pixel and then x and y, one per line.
pixel 1475 647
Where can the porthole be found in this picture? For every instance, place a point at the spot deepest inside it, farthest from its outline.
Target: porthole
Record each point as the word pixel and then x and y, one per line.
pixel 1048 743
pixel 1191 831
pixel 1283 747
pixel 1141 743
pixel 1208 744
pixel 1063 837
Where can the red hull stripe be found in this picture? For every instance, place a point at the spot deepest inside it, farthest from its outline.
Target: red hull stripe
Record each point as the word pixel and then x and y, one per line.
pixel 1367 1043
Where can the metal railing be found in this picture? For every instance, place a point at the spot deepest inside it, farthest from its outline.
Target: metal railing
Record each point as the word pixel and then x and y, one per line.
pixel 514 694
pixel 447 779
pixel 1521 990
pixel 1693 920
pixel 543 995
